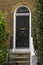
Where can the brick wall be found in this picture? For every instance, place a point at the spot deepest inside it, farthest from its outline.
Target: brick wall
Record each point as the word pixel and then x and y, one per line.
pixel 9 6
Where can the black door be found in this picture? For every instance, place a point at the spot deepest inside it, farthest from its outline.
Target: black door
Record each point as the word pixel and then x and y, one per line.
pixel 22 31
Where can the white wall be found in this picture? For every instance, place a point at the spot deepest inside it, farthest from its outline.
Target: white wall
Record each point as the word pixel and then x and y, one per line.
pixel 33 57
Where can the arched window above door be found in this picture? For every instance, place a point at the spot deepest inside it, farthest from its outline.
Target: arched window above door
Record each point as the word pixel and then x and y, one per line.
pixel 22 9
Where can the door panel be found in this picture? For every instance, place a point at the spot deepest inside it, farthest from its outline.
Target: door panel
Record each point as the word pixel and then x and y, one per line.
pixel 22 31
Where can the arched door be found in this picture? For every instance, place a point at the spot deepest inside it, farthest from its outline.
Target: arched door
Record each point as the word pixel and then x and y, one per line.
pixel 22 25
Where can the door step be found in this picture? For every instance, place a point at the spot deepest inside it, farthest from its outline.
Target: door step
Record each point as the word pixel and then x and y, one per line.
pixel 19 58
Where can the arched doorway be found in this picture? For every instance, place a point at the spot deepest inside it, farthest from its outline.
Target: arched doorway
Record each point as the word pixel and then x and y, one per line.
pixel 22 28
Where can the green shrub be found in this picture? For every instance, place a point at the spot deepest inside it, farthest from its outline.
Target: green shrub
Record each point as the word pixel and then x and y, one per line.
pixel 38 28
pixel 3 38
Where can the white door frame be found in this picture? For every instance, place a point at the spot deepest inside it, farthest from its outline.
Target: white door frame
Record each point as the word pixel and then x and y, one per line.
pixel 14 32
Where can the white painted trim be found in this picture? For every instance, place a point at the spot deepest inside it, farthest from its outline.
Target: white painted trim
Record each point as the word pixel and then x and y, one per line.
pixel 14 33
pixel 22 50
pixel 19 50
pixel 24 14
pixel 32 53
pixel 30 37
